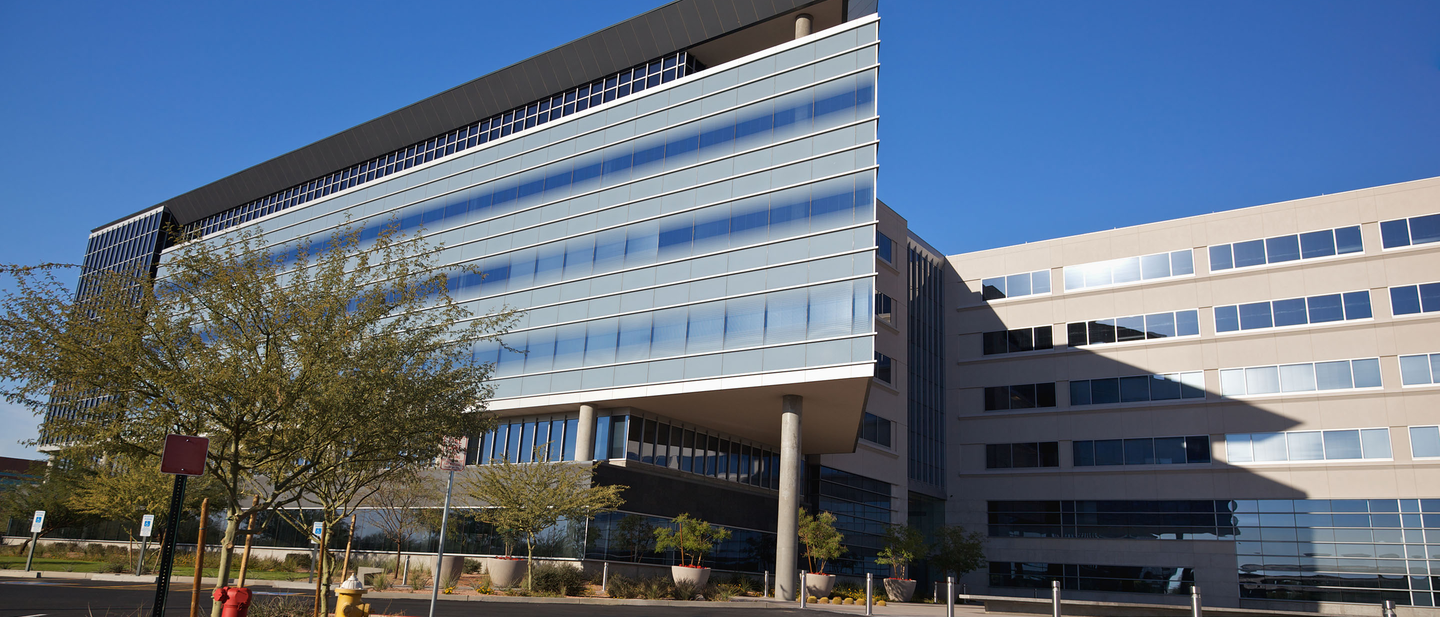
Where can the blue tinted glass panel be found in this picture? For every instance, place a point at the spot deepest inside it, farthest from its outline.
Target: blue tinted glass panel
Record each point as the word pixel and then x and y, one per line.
pixel 1109 452
pixel 1341 445
pixel 1366 372
pixel 1254 316
pixel 1425 441
pixel 1326 308
pixel 1182 263
pixel 1018 284
pixel 1160 325
pixel 1415 370
pixel 1134 389
pixel 1357 305
pixel 992 288
pixel 1289 312
pixel 1375 442
pixel 1333 375
pixel 1080 392
pixel 1187 323
pixel 1425 229
pixel 1227 318
pixel 1040 281
pixel 1430 297
pixel 1347 240
pixel 1220 258
pixel 1395 233
pixel 1104 391
pixel 1250 253
pixel 1404 300
pixel 1282 248
pixel 1317 244
pixel 1139 451
pixel 1155 266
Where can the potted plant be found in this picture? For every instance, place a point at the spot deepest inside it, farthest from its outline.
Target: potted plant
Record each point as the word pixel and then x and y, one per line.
pixel 507 570
pixel 903 544
pixel 693 538
pixel 822 543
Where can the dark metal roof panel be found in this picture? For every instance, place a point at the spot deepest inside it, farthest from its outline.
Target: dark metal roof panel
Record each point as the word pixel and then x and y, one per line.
pixel 667 29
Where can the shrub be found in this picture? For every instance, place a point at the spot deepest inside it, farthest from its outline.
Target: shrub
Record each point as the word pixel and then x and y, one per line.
pixel 297 561
pixel 621 586
pixel 686 591
pixel 657 588
pixel 722 592
pixel 114 567
pixel 557 579
pixel 282 606
pixel 380 581
pixel 850 590
pixel 472 566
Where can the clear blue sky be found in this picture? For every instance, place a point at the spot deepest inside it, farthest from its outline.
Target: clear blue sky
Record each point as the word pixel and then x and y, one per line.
pixel 1002 122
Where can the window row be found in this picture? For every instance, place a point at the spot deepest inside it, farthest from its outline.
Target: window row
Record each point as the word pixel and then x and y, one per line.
pixel 884 308
pixel 884 368
pixel 1420 370
pixel 1024 396
pixel 1022 455
pixel 1016 285
pixel 529 441
pixel 1279 249
pixel 1167 387
pixel 1143 451
pixel 661 443
pixel 1306 377
pixel 1145 520
pixel 1414 230
pixel 619 85
pixel 814 208
pixel 1129 270
pixel 1347 444
pixel 875 429
pixel 1133 328
pixel 1425 441
pixel 822 311
pixel 1079 577
pixel 1020 339
pixel 1412 299
pixel 1293 312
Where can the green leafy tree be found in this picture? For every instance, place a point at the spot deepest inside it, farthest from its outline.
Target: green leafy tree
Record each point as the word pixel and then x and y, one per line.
pixel 903 545
pixel 691 536
pixel 636 534
pixel 398 506
pixel 53 492
pixel 275 355
pixel 958 552
pixel 528 498
pixel 124 488
pixel 822 541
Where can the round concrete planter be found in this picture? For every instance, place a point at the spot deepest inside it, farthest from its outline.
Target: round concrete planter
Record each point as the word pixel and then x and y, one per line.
pixel 899 589
pixel 451 567
pixel 694 576
pixel 819 585
pixel 505 573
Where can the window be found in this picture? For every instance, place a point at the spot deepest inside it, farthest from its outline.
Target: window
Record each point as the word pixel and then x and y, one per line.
pixel 1129 270
pixel 1307 377
pixel 1133 328
pixel 1016 285
pixel 1025 396
pixel 1425 441
pixel 885 308
pixel 1412 299
pixel 1012 341
pixel 1420 370
pixel 1407 232
pixel 1022 455
pixel 1293 312
pixel 1143 451
pixel 1166 387
pixel 884 247
pixel 875 429
pixel 1144 520
pixel 1280 249
pixel 882 368
pixel 1132 579
pixel 1348 444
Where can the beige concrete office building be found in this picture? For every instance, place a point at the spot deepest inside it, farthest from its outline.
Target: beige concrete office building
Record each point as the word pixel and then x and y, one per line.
pixel 1244 401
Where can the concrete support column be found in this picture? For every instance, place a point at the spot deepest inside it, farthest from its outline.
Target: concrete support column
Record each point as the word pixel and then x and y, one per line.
pixel 585 434
pixel 787 524
pixel 802 25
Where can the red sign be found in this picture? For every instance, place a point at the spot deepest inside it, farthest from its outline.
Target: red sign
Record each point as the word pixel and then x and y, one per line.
pixel 184 455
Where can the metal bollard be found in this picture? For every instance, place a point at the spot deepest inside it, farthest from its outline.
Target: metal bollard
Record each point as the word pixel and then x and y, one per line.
pixel 804 593
pixel 935 591
pixel 1194 601
pixel 869 593
pixel 949 596
pixel 1388 608
pixel 765 591
pixel 605 579
pixel 1055 598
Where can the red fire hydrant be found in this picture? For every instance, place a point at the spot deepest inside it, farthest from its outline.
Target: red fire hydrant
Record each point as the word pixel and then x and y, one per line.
pixel 236 599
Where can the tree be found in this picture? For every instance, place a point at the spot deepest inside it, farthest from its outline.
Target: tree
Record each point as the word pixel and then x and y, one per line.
pixel 822 541
pixel 52 493
pixel 957 551
pixel 692 537
pixel 124 488
pixel 636 534
pixel 274 355
pixel 397 507
pixel 903 544
pixel 528 498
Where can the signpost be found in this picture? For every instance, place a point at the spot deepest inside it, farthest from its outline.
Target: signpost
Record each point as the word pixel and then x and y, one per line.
pixel 184 456
pixel 147 526
pixel 317 529
pixel 452 461
pixel 36 525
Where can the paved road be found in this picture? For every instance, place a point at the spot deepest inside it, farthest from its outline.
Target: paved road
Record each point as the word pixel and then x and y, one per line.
pixel 86 598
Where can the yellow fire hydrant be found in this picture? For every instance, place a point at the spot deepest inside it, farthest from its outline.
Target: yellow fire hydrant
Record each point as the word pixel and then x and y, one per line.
pixel 347 599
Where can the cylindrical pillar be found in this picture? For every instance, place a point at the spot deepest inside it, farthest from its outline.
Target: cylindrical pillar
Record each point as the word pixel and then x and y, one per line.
pixel 949 596
pixel 585 434
pixel 803 22
pixel 869 593
pixel 804 593
pixel 1195 601
pixel 1055 598
pixel 787 524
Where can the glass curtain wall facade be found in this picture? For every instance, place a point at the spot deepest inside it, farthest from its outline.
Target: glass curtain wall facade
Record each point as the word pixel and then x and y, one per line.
pixel 716 225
